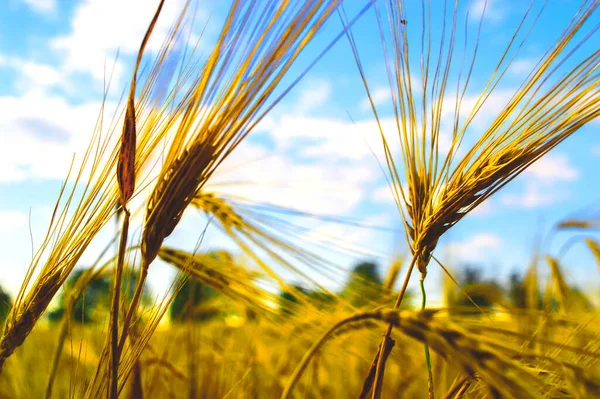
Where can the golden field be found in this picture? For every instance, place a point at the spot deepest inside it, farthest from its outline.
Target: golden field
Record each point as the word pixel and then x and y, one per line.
pixel 239 325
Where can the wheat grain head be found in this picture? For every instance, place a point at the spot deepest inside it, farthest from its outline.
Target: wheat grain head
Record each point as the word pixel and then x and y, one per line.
pixel 543 112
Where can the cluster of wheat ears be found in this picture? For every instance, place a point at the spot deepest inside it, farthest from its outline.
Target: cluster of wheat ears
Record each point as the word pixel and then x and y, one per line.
pixel 209 106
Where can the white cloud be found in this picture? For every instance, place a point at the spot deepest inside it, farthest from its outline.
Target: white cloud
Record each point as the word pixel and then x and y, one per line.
pixel 257 174
pixel 379 96
pixel 40 133
pixel 33 74
pixel 11 220
pixel 534 196
pixel 522 66
pixel 332 139
pixel 11 277
pixel 541 182
pixel 384 194
pixel 41 6
pixel 100 28
pixel 314 95
pixel 475 248
pixel 493 12
pixel 553 167
pixel 356 239
pixel 41 74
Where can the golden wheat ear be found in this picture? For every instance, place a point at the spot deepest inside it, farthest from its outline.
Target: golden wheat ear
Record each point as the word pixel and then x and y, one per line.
pixel 560 287
pixel 248 230
pixel 222 106
pixel 126 183
pixel 280 246
pixel 441 191
pixel 553 103
pixel 88 200
pixel 222 275
pixel 219 111
pixel 256 47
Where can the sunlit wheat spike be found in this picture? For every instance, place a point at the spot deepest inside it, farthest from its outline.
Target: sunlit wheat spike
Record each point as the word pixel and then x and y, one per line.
pixel 257 45
pixel 269 244
pixel 532 287
pixel 559 96
pixel 393 273
pixel 221 274
pixel 551 104
pixel 249 232
pixel 243 70
pixel 220 209
pixel 126 161
pixel 18 325
pixel 89 203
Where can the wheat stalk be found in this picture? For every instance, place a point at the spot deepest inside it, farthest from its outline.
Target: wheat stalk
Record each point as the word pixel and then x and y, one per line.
pixel 226 102
pixel 82 211
pixel 126 183
pixel 543 112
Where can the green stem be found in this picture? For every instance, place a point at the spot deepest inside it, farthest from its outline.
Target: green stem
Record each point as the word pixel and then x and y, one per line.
pixel 115 354
pixel 427 354
pixel 378 364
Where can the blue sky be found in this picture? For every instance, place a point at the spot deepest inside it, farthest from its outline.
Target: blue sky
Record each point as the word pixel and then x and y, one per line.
pixel 313 152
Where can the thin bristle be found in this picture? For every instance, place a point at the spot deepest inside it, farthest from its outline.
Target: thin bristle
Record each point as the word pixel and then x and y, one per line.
pixel 77 220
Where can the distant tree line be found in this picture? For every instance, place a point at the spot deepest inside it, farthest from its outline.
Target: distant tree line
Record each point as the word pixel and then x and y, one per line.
pixel 364 288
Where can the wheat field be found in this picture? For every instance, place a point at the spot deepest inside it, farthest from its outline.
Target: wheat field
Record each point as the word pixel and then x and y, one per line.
pixel 237 324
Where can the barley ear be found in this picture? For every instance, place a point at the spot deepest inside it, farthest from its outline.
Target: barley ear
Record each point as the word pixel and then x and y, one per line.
pixel 126 182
